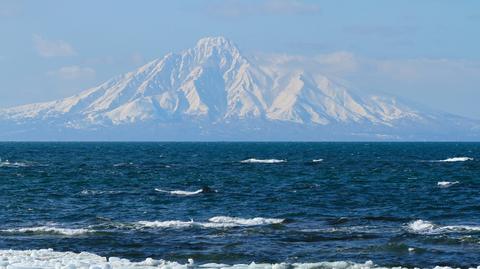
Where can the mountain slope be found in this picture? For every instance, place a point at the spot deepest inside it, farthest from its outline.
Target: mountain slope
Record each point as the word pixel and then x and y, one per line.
pixel 212 91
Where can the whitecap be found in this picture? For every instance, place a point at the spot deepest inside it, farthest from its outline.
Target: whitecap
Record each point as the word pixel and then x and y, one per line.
pixel 98 192
pixel 455 159
pixel 421 226
pixel 9 164
pixel 48 230
pixel 427 227
pixel 317 160
pixel 166 224
pixel 253 160
pixel 214 222
pixel 245 222
pixel 122 164
pixel 180 192
pixel 446 184
pixel 350 229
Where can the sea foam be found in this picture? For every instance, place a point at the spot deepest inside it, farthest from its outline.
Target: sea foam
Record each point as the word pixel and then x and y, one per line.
pixel 167 224
pixel 446 184
pixel 123 164
pixel 9 164
pixel 215 222
pixel 455 159
pixel 98 192
pixel 245 222
pixel 253 160
pixel 317 160
pixel 180 192
pixel 427 227
pixel 47 230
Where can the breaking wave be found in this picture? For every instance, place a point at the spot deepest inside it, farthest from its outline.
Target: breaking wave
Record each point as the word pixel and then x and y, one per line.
pixel 253 160
pixel 181 193
pixel 215 222
pixel 317 160
pixel 122 164
pixel 455 159
pixel 168 224
pixel 47 230
pixel 9 164
pixel 245 222
pixel 427 227
pixel 446 184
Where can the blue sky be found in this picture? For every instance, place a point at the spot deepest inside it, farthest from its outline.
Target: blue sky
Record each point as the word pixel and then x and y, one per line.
pixel 425 51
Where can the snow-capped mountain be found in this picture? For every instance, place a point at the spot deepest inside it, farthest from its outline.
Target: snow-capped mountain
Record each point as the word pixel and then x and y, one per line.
pixel 212 91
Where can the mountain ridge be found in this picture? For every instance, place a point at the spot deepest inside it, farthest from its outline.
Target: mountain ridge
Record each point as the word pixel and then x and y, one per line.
pixel 211 85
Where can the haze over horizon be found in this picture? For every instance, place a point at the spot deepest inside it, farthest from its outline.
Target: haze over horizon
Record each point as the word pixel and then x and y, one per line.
pixel 425 52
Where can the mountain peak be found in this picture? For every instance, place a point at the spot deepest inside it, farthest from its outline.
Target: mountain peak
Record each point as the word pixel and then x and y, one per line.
pixel 214 41
pixel 213 90
pixel 220 44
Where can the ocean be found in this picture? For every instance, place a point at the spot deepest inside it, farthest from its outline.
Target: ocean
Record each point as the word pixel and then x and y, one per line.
pixel 255 205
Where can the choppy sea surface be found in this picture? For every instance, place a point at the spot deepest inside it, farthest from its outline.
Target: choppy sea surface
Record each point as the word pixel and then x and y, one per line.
pixel 282 205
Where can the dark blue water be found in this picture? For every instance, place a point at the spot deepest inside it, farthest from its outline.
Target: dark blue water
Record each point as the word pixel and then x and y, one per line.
pixel 360 203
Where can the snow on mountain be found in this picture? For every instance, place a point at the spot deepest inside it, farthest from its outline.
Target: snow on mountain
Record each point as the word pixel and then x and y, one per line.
pixel 213 84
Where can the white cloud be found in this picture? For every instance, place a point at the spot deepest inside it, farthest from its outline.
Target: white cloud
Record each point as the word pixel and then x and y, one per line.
pixel 137 59
pixel 4 12
pixel 443 71
pixel 381 30
pixel 341 61
pixel 52 48
pixel 73 72
pixel 338 63
pixel 475 17
pixel 417 78
pixel 290 7
pixel 344 63
pixel 238 8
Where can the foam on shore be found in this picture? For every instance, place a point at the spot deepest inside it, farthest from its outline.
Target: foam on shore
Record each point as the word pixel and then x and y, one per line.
pixel 48 259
